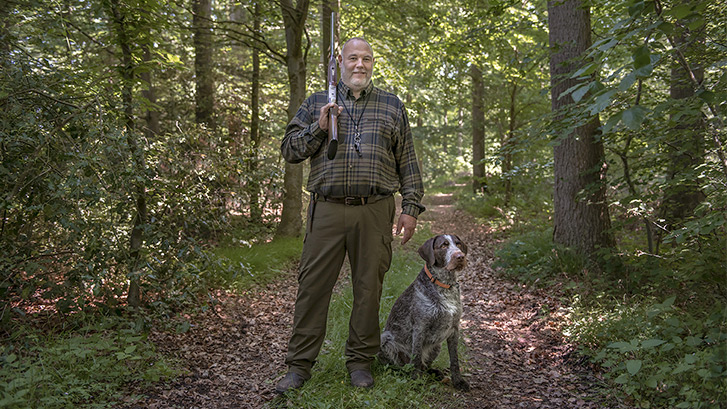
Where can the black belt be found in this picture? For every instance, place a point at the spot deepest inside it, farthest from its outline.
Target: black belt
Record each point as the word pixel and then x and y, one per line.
pixel 349 200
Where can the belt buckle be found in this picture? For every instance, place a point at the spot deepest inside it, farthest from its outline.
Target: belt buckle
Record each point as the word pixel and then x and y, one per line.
pixel 353 201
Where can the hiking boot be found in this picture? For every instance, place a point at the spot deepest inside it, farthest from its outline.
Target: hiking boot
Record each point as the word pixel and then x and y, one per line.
pixel 291 381
pixel 361 378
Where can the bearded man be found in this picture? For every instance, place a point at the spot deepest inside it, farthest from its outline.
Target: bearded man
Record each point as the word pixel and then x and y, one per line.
pixel 351 211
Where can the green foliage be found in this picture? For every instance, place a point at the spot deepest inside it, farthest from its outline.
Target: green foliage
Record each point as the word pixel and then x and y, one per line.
pixel 89 367
pixel 247 264
pixel 662 355
pixel 394 388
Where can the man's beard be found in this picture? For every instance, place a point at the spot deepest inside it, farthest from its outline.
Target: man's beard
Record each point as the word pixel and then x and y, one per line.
pixel 357 81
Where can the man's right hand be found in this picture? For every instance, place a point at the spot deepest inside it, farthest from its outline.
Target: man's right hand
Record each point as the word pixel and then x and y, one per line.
pixel 323 118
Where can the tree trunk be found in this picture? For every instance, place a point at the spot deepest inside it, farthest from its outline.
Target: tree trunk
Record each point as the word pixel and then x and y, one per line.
pixel 291 219
pixel 581 220
pixel 203 64
pixel 253 184
pixel 686 142
pixel 507 143
pixel 152 115
pixel 137 155
pixel 478 130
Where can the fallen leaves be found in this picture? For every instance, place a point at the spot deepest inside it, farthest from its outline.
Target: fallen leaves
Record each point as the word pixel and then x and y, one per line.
pixel 515 358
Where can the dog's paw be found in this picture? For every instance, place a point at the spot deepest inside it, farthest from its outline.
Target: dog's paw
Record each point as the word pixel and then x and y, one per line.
pixel 460 384
pixel 436 373
pixel 417 373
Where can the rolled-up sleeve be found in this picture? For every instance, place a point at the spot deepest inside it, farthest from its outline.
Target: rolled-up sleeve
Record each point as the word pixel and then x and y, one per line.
pixel 303 136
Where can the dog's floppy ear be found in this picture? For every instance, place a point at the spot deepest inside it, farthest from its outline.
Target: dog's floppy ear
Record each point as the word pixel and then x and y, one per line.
pixel 462 246
pixel 426 251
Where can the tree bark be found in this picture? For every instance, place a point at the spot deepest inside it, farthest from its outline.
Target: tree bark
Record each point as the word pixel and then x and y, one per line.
pixel 126 70
pixel 478 130
pixel 507 143
pixel 581 218
pixel 291 219
pixel 203 63
pixel 686 141
pixel 152 115
pixel 253 184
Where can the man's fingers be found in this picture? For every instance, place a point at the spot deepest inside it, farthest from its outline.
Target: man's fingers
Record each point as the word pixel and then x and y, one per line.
pixel 408 223
pixel 323 118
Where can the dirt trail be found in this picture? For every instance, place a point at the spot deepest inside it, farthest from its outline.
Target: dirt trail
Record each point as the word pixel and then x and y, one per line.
pixel 516 357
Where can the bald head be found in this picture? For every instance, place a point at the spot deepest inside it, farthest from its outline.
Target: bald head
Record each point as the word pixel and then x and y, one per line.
pixel 357 39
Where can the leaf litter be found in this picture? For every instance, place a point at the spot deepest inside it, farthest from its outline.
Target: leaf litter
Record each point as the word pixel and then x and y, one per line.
pixel 516 357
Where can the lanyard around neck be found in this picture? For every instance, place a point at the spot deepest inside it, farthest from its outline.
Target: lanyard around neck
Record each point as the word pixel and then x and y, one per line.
pixel 356 123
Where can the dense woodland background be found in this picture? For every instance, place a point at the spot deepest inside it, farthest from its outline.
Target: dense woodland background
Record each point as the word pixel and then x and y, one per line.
pixel 138 136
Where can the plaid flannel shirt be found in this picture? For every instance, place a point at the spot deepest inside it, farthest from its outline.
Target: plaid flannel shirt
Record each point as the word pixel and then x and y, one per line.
pixel 387 162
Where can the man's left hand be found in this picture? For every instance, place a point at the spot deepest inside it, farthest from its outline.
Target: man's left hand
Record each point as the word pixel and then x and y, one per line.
pixel 409 223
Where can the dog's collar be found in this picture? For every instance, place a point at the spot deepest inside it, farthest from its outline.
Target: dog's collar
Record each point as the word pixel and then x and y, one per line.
pixel 434 279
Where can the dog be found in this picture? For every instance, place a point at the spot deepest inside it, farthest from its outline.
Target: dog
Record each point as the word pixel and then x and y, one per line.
pixel 428 312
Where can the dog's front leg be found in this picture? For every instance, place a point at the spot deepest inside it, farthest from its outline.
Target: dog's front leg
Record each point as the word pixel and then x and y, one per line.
pixel 417 352
pixel 457 380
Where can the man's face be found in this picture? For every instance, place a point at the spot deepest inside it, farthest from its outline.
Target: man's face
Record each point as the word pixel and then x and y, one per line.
pixel 357 64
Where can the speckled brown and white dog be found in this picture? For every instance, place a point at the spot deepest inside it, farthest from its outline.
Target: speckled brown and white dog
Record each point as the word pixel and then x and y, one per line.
pixel 428 312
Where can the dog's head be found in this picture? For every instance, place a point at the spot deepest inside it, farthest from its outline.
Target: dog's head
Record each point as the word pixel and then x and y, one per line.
pixel 444 251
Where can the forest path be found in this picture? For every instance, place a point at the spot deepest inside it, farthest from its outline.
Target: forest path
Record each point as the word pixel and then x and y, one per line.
pixel 515 355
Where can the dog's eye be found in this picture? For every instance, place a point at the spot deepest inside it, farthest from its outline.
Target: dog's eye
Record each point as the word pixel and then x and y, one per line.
pixel 445 244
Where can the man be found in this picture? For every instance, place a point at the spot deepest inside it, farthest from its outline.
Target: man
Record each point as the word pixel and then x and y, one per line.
pixel 351 211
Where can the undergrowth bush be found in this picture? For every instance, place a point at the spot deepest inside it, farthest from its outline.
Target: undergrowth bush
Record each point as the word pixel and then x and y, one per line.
pixel 663 351
pixel 662 355
pixel 88 367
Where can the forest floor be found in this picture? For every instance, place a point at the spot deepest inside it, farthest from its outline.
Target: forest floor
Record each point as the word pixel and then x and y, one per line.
pixel 516 356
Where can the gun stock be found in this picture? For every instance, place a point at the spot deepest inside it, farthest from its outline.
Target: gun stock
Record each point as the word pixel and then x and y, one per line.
pixel 332 81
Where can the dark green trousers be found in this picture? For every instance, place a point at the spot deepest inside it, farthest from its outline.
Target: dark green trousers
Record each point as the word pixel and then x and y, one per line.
pixel 334 230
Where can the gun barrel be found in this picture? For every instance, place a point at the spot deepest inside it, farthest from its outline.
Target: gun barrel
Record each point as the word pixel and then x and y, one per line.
pixel 332 123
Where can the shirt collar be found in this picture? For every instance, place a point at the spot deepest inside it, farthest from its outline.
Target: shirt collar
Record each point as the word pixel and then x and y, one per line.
pixel 345 90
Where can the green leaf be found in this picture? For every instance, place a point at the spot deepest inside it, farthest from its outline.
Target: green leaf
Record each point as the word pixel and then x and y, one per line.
pixel 580 92
pixel 681 10
pixel 627 81
pixel 693 341
pixel 633 366
pixel 602 101
pixel 652 382
pixel 608 45
pixel 668 302
pixel 622 379
pixel 697 23
pixel 587 69
pixel 682 367
pixel 641 56
pixel 634 117
pixel 611 122
pixel 666 28
pixel 650 343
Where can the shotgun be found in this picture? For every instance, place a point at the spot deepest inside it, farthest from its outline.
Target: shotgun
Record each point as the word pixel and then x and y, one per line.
pixel 332 80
